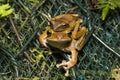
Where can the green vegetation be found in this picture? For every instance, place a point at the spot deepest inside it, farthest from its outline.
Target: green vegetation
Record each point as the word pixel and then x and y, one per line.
pixel 106 5
pixel 5 10
pixel 33 1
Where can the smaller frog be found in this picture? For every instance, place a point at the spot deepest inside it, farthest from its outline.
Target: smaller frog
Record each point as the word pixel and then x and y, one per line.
pixel 67 35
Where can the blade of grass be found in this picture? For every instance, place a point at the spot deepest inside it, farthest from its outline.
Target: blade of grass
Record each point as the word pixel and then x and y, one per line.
pixel 106 45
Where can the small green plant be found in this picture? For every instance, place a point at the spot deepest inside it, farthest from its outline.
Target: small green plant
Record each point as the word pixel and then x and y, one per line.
pixel 1 0
pixel 5 10
pixel 38 57
pixel 106 5
pixel 34 1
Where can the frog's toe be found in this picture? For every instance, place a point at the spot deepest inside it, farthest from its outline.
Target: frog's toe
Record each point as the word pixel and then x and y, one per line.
pixel 61 64
pixel 58 65
pixel 67 73
pixel 49 52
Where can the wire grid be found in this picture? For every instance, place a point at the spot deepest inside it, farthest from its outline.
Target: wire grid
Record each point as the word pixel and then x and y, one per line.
pixel 95 62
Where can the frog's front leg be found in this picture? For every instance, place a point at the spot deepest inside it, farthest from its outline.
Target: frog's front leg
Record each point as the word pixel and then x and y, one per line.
pixel 73 60
pixel 42 38
pixel 43 41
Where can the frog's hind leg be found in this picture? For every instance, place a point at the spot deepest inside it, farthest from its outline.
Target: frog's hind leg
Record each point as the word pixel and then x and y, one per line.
pixel 72 61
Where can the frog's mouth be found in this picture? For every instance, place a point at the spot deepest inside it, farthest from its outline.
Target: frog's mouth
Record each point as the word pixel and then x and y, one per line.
pixel 59 40
pixel 59 37
pixel 59 43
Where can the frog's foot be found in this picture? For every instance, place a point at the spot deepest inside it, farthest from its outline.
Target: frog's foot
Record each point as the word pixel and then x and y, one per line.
pixel 64 64
pixel 69 65
pixel 67 73
pixel 61 64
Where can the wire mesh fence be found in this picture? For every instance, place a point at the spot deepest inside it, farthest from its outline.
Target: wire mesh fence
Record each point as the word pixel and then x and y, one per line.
pixel 21 55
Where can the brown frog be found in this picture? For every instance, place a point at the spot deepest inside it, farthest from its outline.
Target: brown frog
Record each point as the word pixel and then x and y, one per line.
pixel 67 35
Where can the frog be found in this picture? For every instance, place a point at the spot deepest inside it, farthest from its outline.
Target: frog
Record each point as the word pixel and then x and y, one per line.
pixel 65 34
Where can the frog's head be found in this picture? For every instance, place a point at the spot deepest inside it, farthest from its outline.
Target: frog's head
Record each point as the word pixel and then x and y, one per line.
pixel 58 25
pixel 62 22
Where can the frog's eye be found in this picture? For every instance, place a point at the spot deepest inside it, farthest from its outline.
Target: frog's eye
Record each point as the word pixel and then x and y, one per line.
pixel 61 27
pixel 65 26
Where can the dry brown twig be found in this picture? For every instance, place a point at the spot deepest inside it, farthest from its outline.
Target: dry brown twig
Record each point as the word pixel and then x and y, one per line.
pixel 15 30
pixel 18 37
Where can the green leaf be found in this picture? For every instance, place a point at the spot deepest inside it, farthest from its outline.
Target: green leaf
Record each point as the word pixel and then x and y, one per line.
pixel 102 6
pixel 5 10
pixel 38 57
pixel 102 1
pixel 34 1
pixel 105 5
pixel 1 0
pixel 104 12
pixel 116 2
